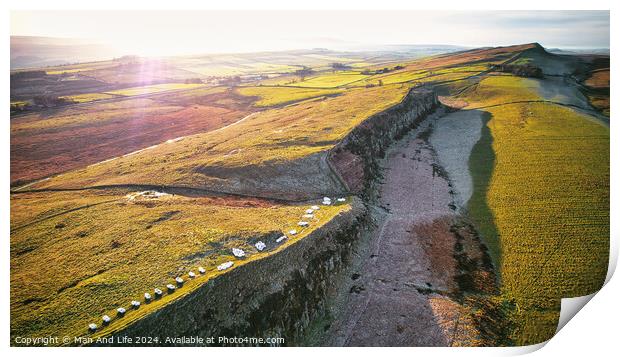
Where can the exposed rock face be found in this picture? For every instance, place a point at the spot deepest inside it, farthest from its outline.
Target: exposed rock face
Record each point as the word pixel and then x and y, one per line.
pixel 280 295
pixel 276 296
pixel 304 178
pixel 526 70
pixel 355 158
pixel 311 176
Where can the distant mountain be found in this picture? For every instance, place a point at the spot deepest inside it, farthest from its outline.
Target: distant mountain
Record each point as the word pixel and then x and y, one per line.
pixel 581 51
pixel 407 49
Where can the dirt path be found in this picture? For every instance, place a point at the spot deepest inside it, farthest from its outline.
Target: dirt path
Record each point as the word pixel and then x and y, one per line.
pixel 396 291
pixel 453 138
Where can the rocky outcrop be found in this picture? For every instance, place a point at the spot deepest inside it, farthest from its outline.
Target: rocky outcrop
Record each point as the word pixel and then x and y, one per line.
pixel 355 158
pixel 300 179
pixel 526 70
pixel 276 296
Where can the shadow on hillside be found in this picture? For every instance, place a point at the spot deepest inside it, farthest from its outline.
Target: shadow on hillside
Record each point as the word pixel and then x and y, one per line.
pixel 481 165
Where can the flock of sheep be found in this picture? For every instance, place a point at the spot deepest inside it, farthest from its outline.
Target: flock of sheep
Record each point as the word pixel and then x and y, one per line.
pixel 237 252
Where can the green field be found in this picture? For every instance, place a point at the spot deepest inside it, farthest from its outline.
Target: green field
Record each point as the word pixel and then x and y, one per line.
pixel 277 135
pixel 541 200
pixel 270 96
pixel 91 266
pixel 89 97
pixel 330 80
pixel 156 88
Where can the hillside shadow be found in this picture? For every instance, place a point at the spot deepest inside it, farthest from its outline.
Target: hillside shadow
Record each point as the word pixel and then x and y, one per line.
pixel 481 166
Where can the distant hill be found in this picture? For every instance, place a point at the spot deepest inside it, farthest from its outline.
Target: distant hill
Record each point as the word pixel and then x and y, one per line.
pixel 572 51
pixel 31 51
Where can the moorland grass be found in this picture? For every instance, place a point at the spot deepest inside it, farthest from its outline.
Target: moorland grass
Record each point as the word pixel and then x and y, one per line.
pixel 155 88
pixel 547 199
pixel 76 256
pixel 88 97
pixel 271 136
pixel 271 96
pixel 330 80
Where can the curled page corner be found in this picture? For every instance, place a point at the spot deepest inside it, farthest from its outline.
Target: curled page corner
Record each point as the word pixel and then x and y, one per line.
pixel 523 350
pixel 570 307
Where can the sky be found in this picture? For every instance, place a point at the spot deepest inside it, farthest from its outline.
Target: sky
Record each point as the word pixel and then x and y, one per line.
pixel 154 33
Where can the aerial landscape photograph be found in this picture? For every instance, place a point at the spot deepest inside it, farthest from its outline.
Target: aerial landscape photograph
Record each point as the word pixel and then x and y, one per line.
pixel 318 178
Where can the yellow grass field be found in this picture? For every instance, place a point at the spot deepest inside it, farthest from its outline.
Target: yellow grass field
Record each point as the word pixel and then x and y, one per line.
pixel 68 70
pixel 271 136
pixel 156 88
pixel 89 97
pixel 70 265
pixel 330 80
pixel 544 209
pixel 270 96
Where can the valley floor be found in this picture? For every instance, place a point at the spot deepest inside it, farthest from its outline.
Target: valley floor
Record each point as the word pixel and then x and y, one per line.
pixel 399 289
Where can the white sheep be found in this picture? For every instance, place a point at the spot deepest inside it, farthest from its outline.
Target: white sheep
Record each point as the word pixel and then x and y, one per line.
pixel 135 304
pixel 302 224
pixel 158 292
pixel 191 274
pixel 309 211
pixel 121 311
pixel 171 287
pixel 280 239
pixel 308 216
pixel 92 327
pixel 179 280
pixel 201 270
pixel 342 199
pixel 106 319
pixel 239 253
pixel 260 245
pixel 225 266
pixel 316 208
pixel 147 296
pixel 292 232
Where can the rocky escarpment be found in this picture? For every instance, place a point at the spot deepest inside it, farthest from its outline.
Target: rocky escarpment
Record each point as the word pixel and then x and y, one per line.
pixel 526 70
pixel 281 295
pixel 276 296
pixel 355 159
pixel 345 168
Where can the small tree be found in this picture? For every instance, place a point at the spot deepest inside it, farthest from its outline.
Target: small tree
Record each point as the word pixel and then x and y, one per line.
pixel 337 66
pixel 304 72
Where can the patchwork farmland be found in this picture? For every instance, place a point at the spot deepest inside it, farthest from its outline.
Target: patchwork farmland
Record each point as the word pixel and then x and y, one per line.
pixel 141 171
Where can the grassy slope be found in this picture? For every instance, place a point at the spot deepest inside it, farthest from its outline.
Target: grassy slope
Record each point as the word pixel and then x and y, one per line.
pixel 282 134
pixel 69 268
pixel 189 91
pixel 330 80
pixel 156 88
pixel 547 199
pixel 554 149
pixel 74 137
pixel 88 97
pixel 271 136
pixel 271 96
